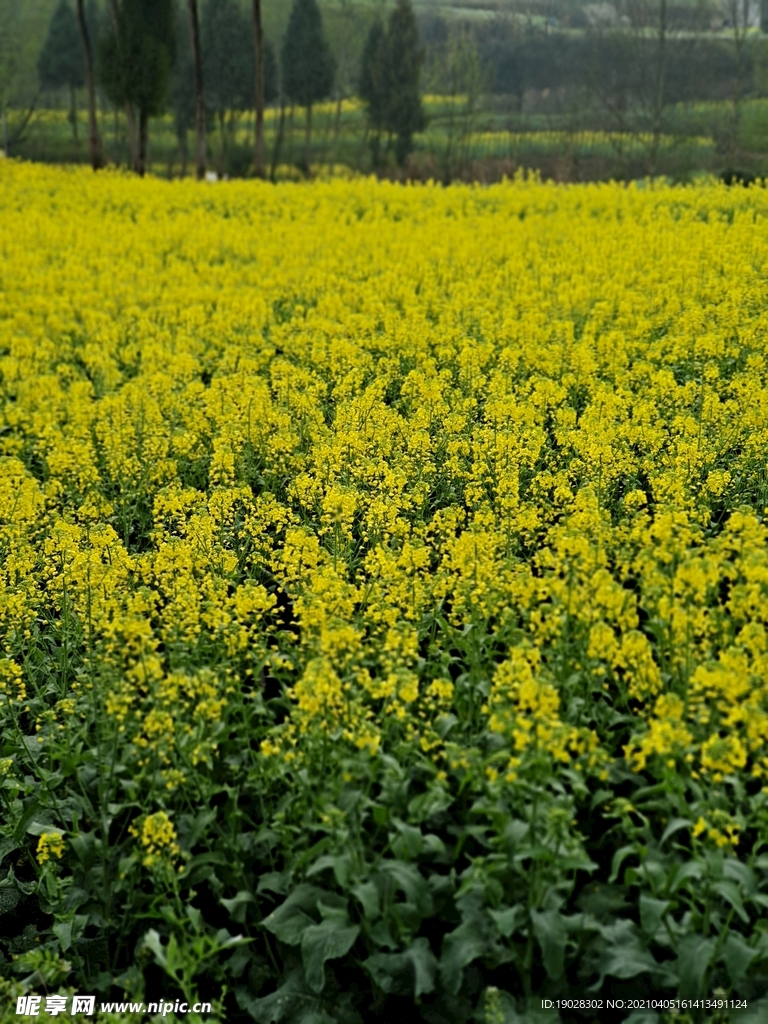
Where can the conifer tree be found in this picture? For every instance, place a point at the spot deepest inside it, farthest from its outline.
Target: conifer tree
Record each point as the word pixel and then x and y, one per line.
pixel 308 65
pixel 404 110
pixel 60 63
pixel 374 84
pixel 137 56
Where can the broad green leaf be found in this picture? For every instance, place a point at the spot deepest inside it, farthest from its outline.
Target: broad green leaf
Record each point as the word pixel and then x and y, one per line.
pixel 651 913
pixel 738 958
pixel 625 955
pixel 412 883
pixel 508 919
pixel 460 947
pixel 368 895
pixel 693 956
pixel 549 928
pixel 740 873
pixel 674 826
pixel 411 971
pixel 39 828
pixel 289 921
pixel 238 904
pixel 692 869
pixel 325 941
pixel 274 881
pixel 730 893
pixel 409 842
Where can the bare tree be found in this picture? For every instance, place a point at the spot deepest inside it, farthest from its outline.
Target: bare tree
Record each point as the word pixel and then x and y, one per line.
pixel 197 66
pixel 258 141
pixel 94 138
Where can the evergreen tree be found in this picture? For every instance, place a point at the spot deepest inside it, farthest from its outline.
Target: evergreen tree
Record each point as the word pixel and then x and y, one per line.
pixel 137 56
pixel 374 83
pixel 228 65
pixel 60 63
pixel 404 110
pixel 308 65
pixel 182 93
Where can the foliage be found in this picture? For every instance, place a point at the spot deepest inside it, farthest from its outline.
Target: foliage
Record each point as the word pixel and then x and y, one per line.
pixel 404 110
pixel 389 80
pixel 228 56
pixel 374 642
pixel 60 63
pixel 136 60
pixel 307 64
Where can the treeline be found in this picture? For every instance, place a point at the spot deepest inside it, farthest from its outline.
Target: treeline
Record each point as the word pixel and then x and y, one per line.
pixel 209 60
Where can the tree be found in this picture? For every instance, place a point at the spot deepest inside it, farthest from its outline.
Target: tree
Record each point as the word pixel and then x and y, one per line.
pixel 374 84
pixel 197 66
pixel 308 64
pixel 258 47
pixel 265 85
pixel 137 56
pixel 228 64
pixel 94 138
pixel 405 113
pixel 60 64
pixel 182 95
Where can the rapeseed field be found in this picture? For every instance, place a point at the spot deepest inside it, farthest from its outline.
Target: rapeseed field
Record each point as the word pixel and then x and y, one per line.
pixel 384 598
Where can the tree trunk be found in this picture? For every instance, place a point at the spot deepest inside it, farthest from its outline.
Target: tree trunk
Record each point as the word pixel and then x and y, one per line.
pixel 134 142
pixel 337 131
pixel 183 151
pixel 199 94
pixel 258 142
pixel 94 139
pixel 141 163
pixel 307 139
pixel 73 112
pixel 278 141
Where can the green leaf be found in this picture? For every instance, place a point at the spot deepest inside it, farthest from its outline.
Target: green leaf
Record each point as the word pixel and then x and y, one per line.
pixel 508 918
pixel 403 973
pixel 9 898
pixel 618 859
pixel 7 846
pixel 292 1001
pixel 738 958
pixel 409 843
pixel 326 941
pixel 368 895
pixel 274 881
pixel 412 883
pixel 692 869
pixel 63 932
pixel 290 920
pixel 730 893
pixel 460 947
pixel 693 956
pixel 153 943
pixel 237 905
pixel 740 873
pixel 549 928
pixel 625 956
pixel 39 828
pixel 674 826
pixel 651 913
